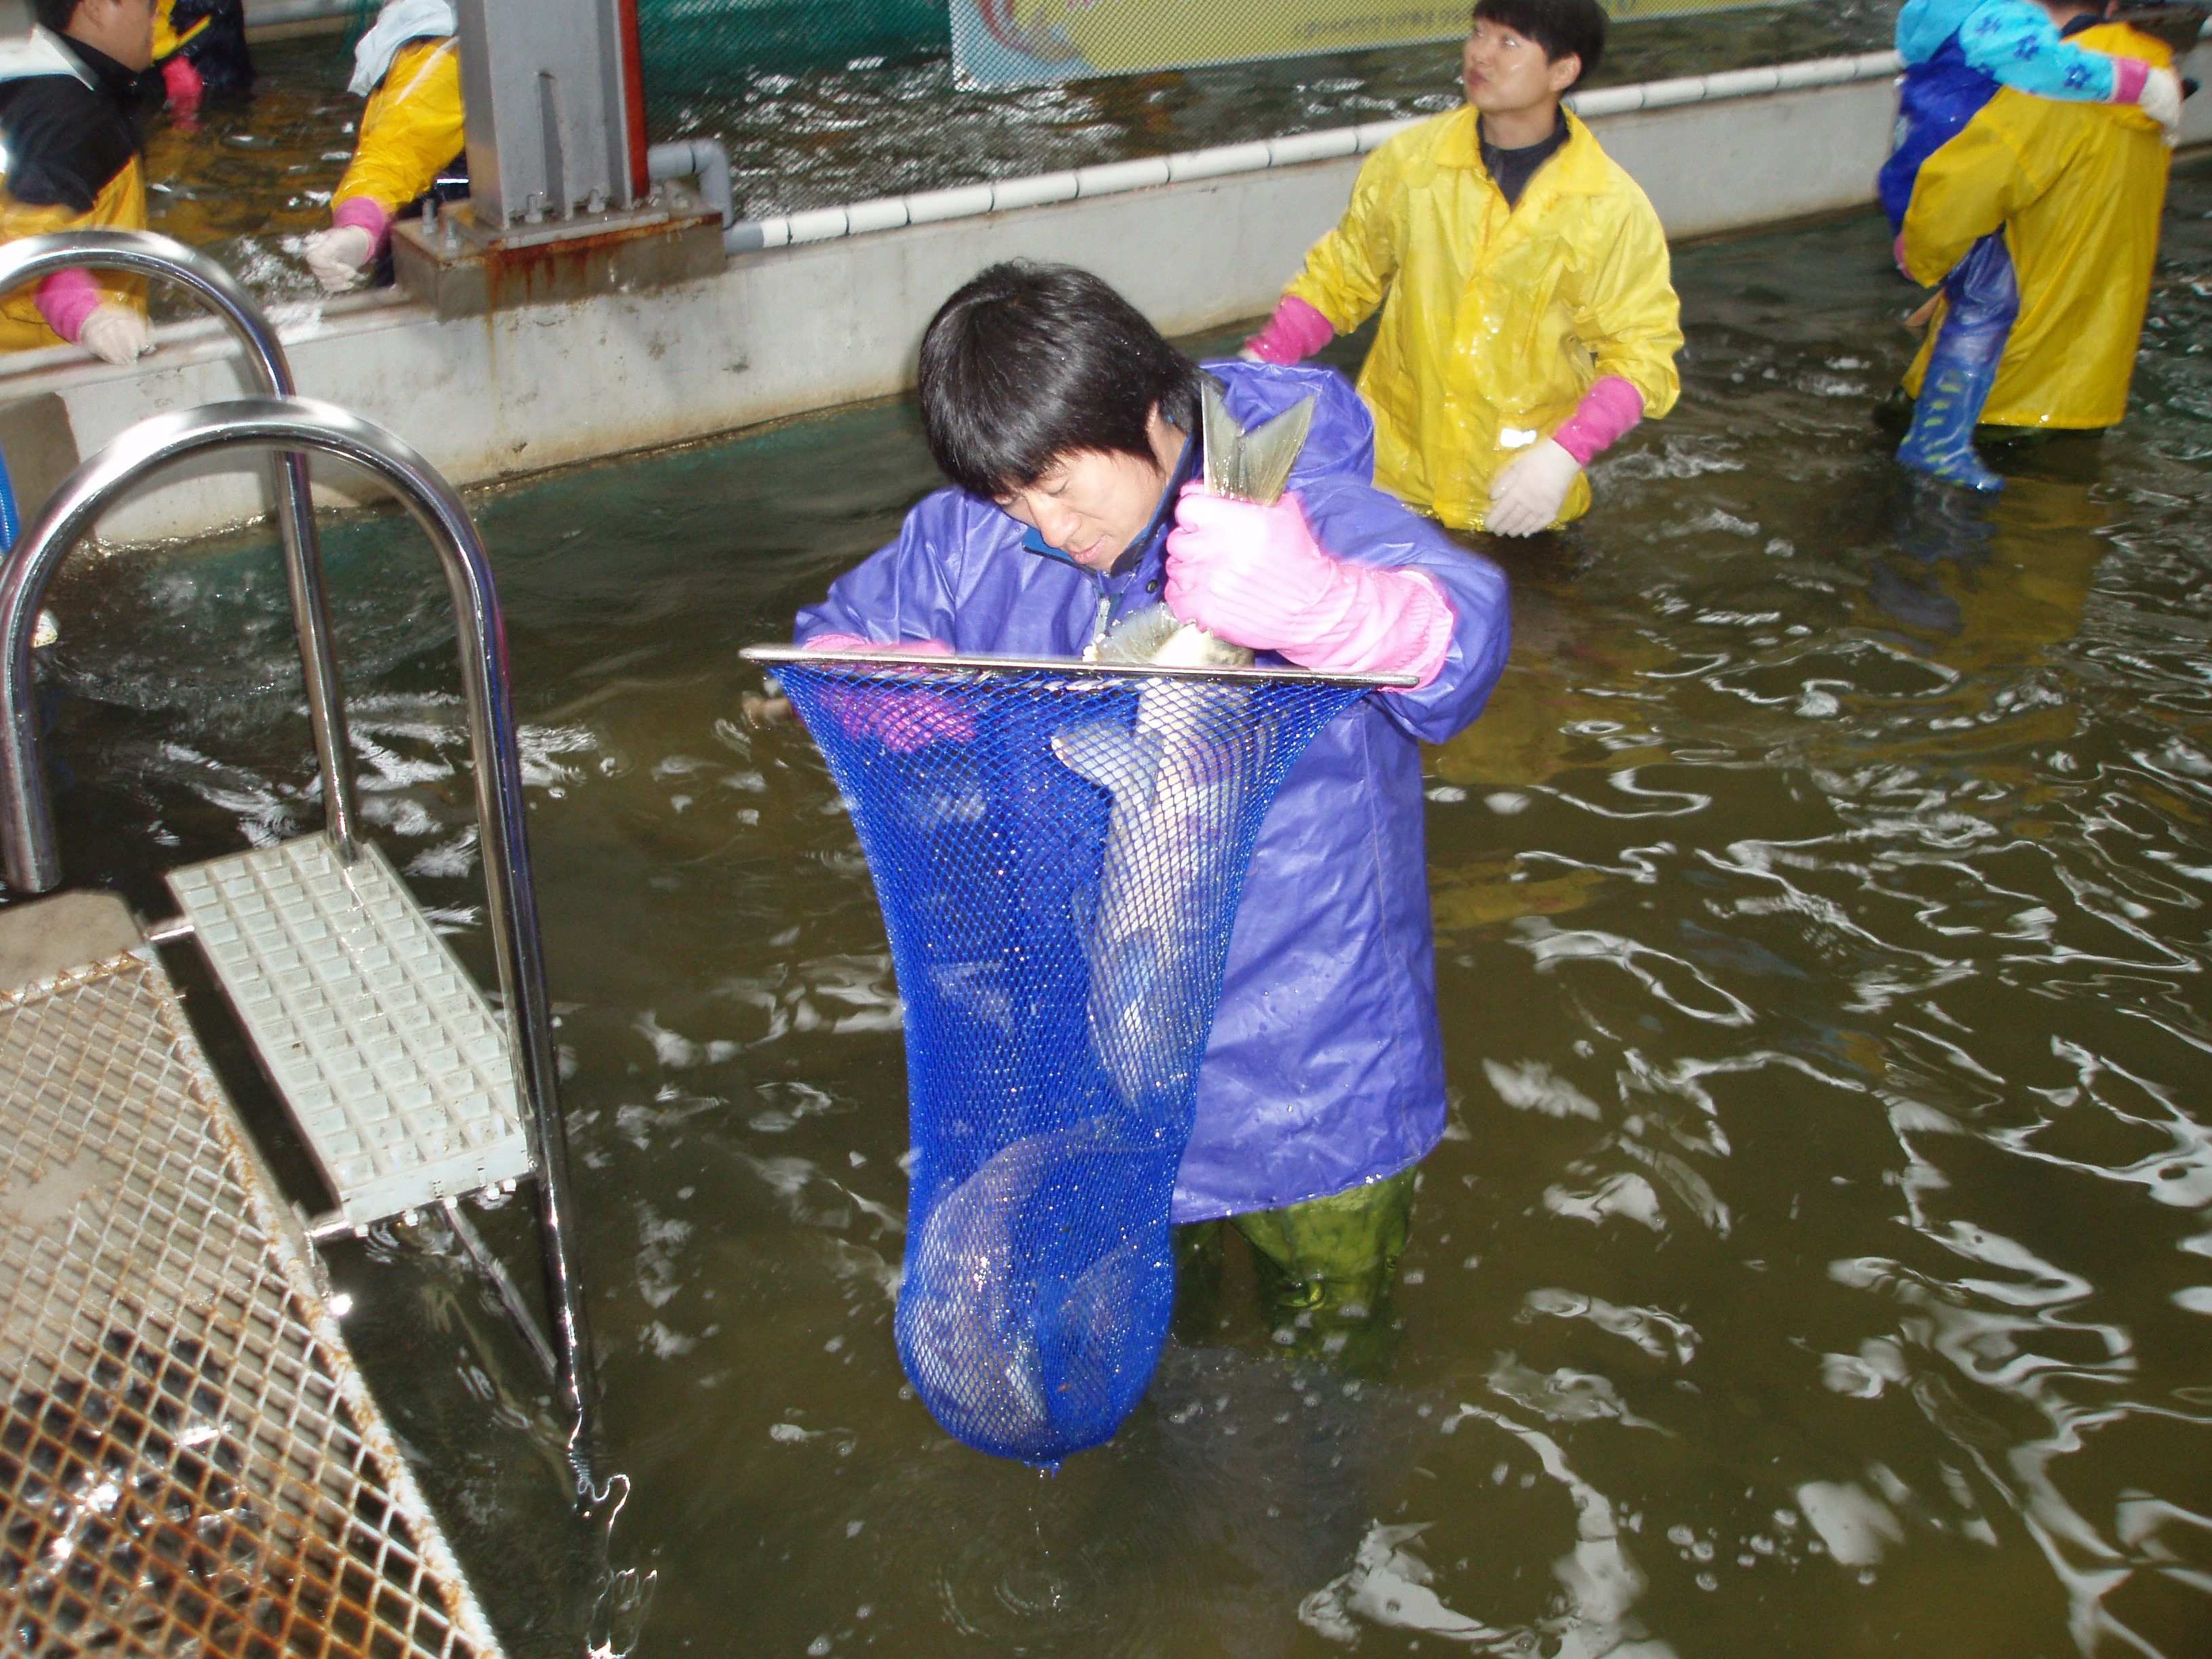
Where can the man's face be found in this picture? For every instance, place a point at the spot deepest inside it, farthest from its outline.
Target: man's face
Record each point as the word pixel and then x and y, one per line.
pixel 123 29
pixel 1505 72
pixel 1091 505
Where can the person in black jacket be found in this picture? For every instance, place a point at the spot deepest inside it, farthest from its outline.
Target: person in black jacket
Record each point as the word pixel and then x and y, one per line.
pixel 73 100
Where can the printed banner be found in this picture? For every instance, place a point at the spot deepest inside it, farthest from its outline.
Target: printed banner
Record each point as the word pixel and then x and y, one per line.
pixel 1026 43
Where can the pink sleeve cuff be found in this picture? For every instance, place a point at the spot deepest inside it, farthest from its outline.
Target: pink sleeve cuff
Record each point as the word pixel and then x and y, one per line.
pixel 1427 635
pixel 66 299
pixel 1608 410
pixel 1296 331
pixel 2129 75
pixel 367 212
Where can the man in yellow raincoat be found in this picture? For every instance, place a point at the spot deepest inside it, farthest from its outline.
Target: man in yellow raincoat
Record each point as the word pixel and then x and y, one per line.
pixel 2078 190
pixel 1527 316
pixel 408 66
pixel 73 100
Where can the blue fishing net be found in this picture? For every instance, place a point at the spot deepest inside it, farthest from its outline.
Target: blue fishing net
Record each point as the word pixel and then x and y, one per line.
pixel 1060 856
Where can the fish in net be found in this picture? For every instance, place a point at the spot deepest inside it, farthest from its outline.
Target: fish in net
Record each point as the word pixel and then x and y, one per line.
pixel 1058 870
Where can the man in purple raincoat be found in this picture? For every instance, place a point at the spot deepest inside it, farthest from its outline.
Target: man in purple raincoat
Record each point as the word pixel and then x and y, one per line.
pixel 1068 426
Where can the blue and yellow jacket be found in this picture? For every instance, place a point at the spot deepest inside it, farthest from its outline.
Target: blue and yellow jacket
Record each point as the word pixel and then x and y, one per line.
pixel 2079 190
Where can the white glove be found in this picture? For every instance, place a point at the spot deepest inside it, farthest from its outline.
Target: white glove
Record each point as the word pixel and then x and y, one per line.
pixel 116 334
pixel 336 255
pixel 2161 101
pixel 1527 495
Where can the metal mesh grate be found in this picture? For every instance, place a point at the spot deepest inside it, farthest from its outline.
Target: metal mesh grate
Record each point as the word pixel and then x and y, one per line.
pixel 188 1463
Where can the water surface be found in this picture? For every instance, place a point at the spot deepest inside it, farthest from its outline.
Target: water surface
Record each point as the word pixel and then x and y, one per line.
pixel 1820 1261
pixel 257 174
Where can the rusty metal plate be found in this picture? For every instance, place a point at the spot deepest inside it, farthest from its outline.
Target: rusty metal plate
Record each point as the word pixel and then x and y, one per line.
pixel 189 1462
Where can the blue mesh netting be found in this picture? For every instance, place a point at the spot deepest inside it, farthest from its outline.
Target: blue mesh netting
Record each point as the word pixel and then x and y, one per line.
pixel 1060 857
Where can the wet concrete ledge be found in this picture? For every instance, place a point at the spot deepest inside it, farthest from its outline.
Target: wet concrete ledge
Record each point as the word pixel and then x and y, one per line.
pixel 816 323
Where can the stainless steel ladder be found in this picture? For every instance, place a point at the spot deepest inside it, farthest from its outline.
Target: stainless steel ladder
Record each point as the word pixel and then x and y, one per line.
pixel 408 1090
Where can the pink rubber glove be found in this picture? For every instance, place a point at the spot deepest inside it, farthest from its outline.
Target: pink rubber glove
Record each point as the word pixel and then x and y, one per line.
pixel 902 721
pixel 184 86
pixel 1608 410
pixel 1296 331
pixel 1256 576
pixel 366 211
pixel 66 299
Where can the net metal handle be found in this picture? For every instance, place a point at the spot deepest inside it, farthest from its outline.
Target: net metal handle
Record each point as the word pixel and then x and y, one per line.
pixel 1069 665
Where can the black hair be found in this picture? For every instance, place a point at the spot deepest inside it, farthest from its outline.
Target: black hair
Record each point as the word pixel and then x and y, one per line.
pixel 1561 26
pixel 1028 362
pixel 54 15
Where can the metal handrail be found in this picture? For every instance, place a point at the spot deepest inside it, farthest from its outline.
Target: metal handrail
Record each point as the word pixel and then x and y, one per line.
pixel 299 424
pixel 906 662
pixel 144 254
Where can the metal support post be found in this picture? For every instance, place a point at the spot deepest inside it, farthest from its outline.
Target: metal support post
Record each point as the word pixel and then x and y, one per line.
pixel 548 87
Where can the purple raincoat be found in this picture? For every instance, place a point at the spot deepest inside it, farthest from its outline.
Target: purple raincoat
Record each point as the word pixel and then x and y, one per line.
pixel 1325 1068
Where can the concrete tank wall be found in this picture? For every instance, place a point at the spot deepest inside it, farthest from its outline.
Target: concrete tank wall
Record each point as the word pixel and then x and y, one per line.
pixel 814 324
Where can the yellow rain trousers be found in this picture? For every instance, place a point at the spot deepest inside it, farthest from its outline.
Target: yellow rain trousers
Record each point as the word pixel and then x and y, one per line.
pixel 121 205
pixel 411 128
pixel 1496 320
pixel 2079 190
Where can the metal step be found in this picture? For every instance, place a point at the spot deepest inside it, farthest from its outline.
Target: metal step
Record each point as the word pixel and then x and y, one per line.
pixel 189 1461
pixel 394 1067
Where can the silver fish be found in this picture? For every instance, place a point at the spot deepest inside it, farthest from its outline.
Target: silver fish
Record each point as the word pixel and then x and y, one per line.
pixel 1243 466
pixel 972 1307
pixel 1176 775
pixel 974 1319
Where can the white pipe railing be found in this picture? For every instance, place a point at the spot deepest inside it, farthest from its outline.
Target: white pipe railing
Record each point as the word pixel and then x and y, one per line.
pixel 1110 178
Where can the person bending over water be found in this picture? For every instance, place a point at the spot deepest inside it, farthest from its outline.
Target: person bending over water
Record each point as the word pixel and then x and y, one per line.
pixel 1068 427
pixel 409 68
pixel 1958 54
pixel 73 99
pixel 2069 196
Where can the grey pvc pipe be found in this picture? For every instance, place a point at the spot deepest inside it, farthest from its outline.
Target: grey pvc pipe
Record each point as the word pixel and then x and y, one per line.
pixel 705 160
pixel 299 424
pixel 144 254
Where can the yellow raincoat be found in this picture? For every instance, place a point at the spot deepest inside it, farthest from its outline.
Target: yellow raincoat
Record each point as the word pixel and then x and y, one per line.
pixel 2079 190
pixel 411 128
pixel 1496 320
pixel 120 206
pixel 97 152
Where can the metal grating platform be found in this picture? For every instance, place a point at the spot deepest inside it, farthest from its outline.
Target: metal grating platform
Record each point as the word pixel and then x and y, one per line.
pixel 394 1066
pixel 189 1464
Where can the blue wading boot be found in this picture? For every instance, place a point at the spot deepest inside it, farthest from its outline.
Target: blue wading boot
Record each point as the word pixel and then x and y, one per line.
pixel 1982 300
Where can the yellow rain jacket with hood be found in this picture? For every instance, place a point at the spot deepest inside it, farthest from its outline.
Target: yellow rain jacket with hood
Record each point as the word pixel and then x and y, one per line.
pixel 71 146
pixel 2079 190
pixel 411 130
pixel 1496 318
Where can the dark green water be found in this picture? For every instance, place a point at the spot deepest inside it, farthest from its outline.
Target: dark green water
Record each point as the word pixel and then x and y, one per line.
pixel 1821 912
pixel 257 175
